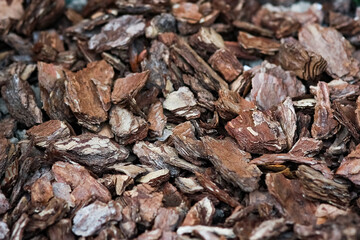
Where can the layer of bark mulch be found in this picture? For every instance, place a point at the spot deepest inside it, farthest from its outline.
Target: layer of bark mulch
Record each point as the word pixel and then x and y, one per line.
pixel 170 119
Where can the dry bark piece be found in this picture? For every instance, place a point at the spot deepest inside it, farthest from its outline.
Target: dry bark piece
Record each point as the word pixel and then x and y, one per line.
pixel 156 178
pixel 118 33
pixel 306 147
pixel 226 63
pixel 349 166
pixel 88 93
pixel 340 63
pixel 232 163
pixel 130 170
pixel 210 78
pixel 316 186
pixel 339 89
pixel 61 230
pixel 288 193
pixel 269 229
pixel 345 114
pixel 19 226
pixel 253 29
pixel 326 212
pixel 256 132
pixel 226 232
pixel 41 191
pixel 263 45
pixel 201 213
pixel 156 156
pixel 294 57
pixel 206 40
pixel 12 9
pixel 187 11
pixel 268 76
pixel 187 145
pixel 188 185
pixel 48 132
pixel 167 219
pixel 162 23
pixel 63 191
pixel 212 188
pixel 39 14
pixel 128 86
pixel 88 220
pixel 7 127
pixel 343 23
pixel 4 231
pixel 20 101
pixel 127 127
pixel 182 103
pixel 156 119
pixel 83 184
pixel 324 125
pixel 4 203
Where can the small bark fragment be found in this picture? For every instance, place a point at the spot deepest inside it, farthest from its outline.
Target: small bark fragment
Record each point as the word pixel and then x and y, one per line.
pixel 269 229
pixel 187 11
pixel 207 40
pixel 188 185
pixel 61 230
pixel 156 178
pixel 306 147
pixel 200 214
pixel 4 203
pixel 41 191
pixel 226 63
pixel 263 45
pixel 156 119
pixel 349 166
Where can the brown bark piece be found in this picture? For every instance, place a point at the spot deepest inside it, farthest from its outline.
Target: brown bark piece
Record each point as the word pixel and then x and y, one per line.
pixel 263 45
pixel 187 11
pixel 156 178
pixel 41 191
pixel 256 132
pixel 13 10
pixel 340 63
pixel 128 86
pixel 232 163
pixel 156 119
pixel 88 93
pixel 48 132
pixel 349 166
pixel 306 147
pixel 206 40
pixel 127 127
pixel 200 214
pixel 83 184
pixel 294 57
pixel 7 127
pixel 4 203
pixel 226 63
pixel 61 230
pixel 324 125
pixel 118 33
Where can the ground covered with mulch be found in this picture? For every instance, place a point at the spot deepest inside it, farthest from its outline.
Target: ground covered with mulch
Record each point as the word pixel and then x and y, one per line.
pixel 175 119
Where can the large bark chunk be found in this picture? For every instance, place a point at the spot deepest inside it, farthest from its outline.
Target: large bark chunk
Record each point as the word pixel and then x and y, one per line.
pixel 118 33
pixel 91 150
pixel 88 93
pixel 340 63
pixel 232 163
pixel 226 63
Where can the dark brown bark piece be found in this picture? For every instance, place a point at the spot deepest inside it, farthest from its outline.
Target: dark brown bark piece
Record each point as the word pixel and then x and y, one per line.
pixel 20 101
pixel 127 127
pixel 253 29
pixel 226 63
pixel 157 120
pixel 294 57
pixel 256 132
pixel 182 103
pixel 188 185
pixel 288 193
pixel 48 132
pixel 232 163
pixel 88 220
pixel 340 63
pixel 343 23
pixel 93 151
pixel 316 186
pixel 128 86
pixel 118 33
pixel 61 230
pixel 7 127
pixel 263 45
pixel 88 93
pixel 349 166
pixel 306 147
pixel 186 144
pixel 200 214
pixel 19 226
pixel 324 125
pixel 84 186
pixel 206 40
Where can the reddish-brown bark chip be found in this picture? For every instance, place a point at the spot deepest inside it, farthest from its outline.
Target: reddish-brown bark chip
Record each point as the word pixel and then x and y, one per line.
pixel 324 125
pixel 206 40
pixel 317 186
pixel 187 11
pixel 88 93
pixel 156 178
pixel 127 127
pixel 306 147
pixel 187 145
pixel 88 220
pixel 20 101
pixel 61 230
pixel 93 151
pixel 340 63
pixel 200 214
pixel 128 86
pixel 156 119
pixel 118 33
pixel 226 63
pixel 288 194
pixel 182 103
pixel 263 45
pixel 271 85
pixel 48 132
pixel 84 186
pixel 257 132
pixel 52 91
pixel 41 191
pixel 349 167
pixel 294 57
pixel 232 163
pixel 7 127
